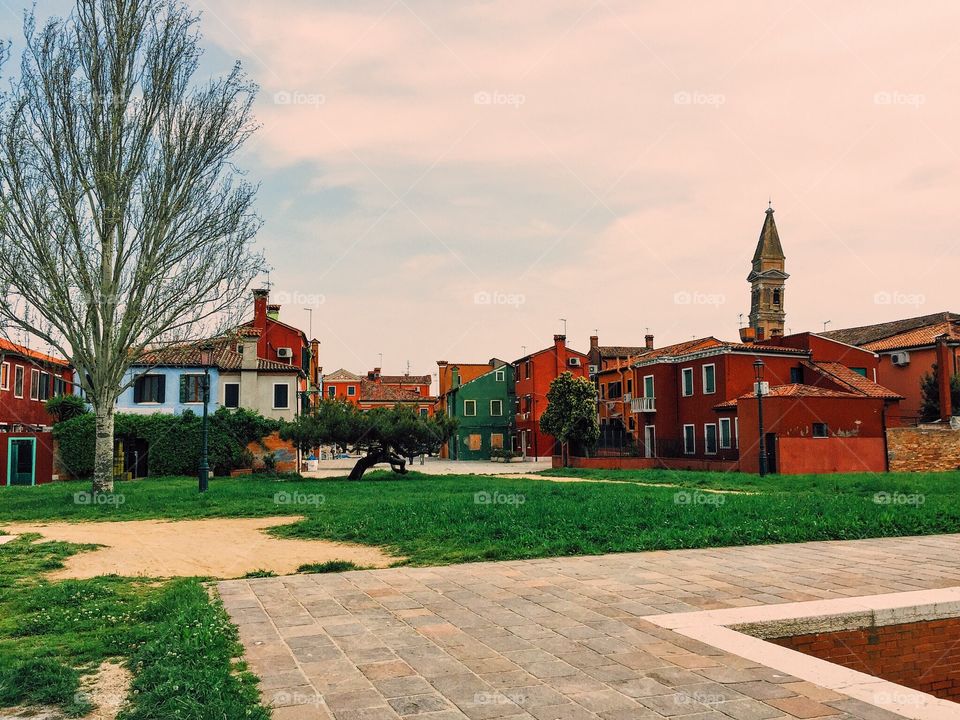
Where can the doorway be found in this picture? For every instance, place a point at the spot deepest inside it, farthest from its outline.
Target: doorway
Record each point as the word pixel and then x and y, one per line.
pixel 21 461
pixel 771 447
pixel 649 441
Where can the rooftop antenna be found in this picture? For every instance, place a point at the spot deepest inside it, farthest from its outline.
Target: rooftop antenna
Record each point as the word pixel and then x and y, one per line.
pixel 564 321
pixel 524 349
pixel 740 316
pixel 825 323
pixel 269 283
pixel 381 359
pixel 408 367
pixel 310 310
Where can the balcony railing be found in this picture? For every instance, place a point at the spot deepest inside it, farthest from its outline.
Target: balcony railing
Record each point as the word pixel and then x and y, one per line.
pixel 643 404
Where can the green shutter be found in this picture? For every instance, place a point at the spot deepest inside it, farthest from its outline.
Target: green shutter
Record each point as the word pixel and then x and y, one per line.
pixel 183 388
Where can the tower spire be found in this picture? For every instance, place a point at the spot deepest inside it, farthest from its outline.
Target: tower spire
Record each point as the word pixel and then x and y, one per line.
pixel 767 279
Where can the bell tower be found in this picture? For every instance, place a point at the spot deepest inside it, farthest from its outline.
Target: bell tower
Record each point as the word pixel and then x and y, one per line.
pixel 767 279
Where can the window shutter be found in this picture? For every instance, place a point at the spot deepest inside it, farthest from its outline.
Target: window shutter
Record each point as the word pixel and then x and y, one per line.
pixel 183 388
pixel 161 388
pixel 138 390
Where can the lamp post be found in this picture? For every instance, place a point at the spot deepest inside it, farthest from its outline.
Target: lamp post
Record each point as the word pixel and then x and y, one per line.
pixel 758 373
pixel 206 359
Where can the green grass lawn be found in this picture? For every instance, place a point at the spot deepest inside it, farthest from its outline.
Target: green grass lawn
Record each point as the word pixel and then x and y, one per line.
pixel 437 519
pixel 179 644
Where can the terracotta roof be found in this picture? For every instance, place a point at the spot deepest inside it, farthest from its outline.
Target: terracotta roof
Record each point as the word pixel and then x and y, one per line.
pixel 376 392
pixel 225 357
pixel 919 337
pixel 682 348
pixel 853 381
pixel 406 379
pixel 793 390
pixel 872 333
pixel 340 376
pixel 621 351
pixel 12 347
pixel 709 343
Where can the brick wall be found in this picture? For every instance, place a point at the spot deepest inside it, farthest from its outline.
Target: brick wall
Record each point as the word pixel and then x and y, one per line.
pixel 283 450
pixel 924 656
pixel 924 449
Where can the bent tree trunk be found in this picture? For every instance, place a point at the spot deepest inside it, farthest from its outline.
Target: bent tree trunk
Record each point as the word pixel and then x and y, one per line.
pixel 103 450
pixel 397 463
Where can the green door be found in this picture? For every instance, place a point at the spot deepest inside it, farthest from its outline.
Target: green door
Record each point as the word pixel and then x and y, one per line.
pixel 21 461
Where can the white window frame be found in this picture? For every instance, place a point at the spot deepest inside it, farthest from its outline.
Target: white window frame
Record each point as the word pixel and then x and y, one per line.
pixel 332 391
pixel 21 371
pixel 500 375
pixel 496 414
pixel 736 432
pixel 720 423
pixel 469 403
pixel 704 378
pixel 5 376
pixel 351 390
pixel 653 387
pixel 34 384
pixel 683 382
pixel 692 450
pixel 225 385
pixel 273 399
pixel 716 439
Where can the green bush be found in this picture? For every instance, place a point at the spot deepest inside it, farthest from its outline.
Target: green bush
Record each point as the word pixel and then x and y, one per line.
pixel 65 407
pixel 174 441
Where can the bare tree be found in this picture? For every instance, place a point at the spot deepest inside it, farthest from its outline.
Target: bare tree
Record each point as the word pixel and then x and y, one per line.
pixel 123 222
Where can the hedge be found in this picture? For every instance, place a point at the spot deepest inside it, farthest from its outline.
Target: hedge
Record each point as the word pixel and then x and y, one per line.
pixel 173 441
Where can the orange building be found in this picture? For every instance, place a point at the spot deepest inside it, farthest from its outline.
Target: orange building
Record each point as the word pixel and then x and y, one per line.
pixel 371 391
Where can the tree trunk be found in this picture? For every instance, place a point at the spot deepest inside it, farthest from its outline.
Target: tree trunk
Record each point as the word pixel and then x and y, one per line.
pixel 365 463
pixel 103 451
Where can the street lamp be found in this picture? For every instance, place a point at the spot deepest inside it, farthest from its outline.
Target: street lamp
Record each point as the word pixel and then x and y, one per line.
pixel 758 374
pixel 206 360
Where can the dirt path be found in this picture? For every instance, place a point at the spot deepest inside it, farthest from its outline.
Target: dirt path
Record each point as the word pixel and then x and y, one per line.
pixel 566 479
pixel 220 548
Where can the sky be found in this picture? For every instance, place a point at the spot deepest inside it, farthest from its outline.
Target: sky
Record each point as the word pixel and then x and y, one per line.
pixel 451 180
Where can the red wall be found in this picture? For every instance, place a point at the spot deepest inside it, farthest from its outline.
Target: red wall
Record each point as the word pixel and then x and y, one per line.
pixel 24 410
pixel 544 367
pixel 44 462
pixel 906 380
pixel 639 463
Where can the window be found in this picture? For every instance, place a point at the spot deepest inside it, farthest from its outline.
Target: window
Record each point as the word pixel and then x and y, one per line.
pixel 820 430
pixel 18 381
pixel 496 441
pixel 614 390
pixel 149 389
pixel 231 395
pixel 776 297
pixel 474 442
pixel 726 439
pixel 689 439
pixel 332 391
pixel 633 423
pixel 470 408
pixel 860 371
pixel 496 408
pixel 527 366
pixel 709 379
pixel 44 386
pixel 59 386
pixel 281 396
pixel 687 382
pixel 499 375
pixel 351 390
pixel 5 376
pixel 34 384
pixel 648 386
pixel 736 432
pixel 191 388
pixel 710 439
pixel 629 386
pixel 603 392
pixel 424 412
pixel 796 376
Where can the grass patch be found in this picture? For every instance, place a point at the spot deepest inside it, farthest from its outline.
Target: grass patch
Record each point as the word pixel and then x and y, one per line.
pixel 331 566
pixel 52 633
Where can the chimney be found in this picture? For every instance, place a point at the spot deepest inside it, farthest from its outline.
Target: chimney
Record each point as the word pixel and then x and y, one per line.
pixel 260 298
pixel 594 342
pixel 454 377
pixel 944 375
pixel 374 375
pixel 747 335
pixel 648 341
pixel 248 344
pixel 273 312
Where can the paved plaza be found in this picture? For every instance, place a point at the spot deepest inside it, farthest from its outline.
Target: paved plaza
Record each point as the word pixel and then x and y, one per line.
pixel 558 639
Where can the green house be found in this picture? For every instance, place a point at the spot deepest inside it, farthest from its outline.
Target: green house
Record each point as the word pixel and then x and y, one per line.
pixel 485 408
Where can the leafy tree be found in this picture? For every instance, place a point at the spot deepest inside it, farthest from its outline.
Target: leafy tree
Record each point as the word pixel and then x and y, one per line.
pixel 66 407
pixel 383 435
pixel 571 414
pixel 930 395
pixel 122 221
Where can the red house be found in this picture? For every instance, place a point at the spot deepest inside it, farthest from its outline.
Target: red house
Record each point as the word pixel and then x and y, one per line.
pixel 371 391
pixel 533 374
pixel 28 378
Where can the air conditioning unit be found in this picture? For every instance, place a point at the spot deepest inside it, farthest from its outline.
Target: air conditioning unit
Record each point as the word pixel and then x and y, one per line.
pixel 762 388
pixel 594 369
pixel 574 362
pixel 900 358
pixel 285 352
